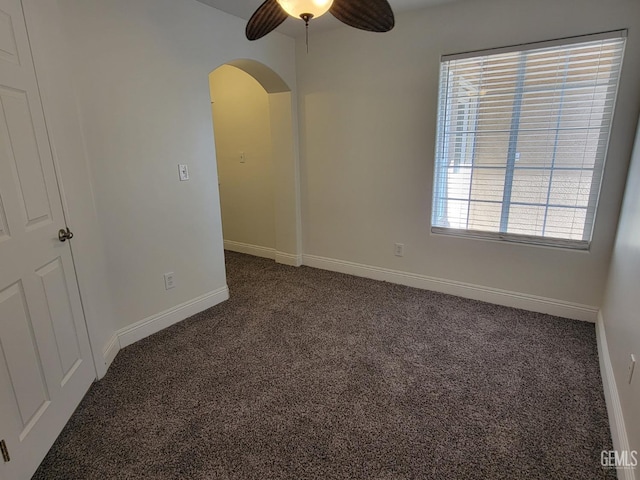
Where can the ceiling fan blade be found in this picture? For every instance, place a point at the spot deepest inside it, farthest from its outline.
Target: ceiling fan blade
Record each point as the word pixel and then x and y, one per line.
pixel 370 15
pixel 265 19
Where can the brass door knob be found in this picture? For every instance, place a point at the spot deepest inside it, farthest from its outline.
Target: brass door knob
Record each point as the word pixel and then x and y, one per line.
pixel 65 234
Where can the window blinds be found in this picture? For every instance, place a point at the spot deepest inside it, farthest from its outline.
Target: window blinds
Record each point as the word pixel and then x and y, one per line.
pixel 522 139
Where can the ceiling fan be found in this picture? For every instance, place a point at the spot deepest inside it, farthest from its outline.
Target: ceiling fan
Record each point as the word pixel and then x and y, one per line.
pixel 370 15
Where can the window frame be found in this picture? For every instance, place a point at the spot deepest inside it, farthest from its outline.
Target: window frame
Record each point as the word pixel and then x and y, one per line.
pixel 442 149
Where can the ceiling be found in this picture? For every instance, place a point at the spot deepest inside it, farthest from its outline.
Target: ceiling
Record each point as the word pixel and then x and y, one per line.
pixel 294 28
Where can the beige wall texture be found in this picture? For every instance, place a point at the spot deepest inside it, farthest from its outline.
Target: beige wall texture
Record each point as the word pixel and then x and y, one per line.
pixel 242 125
pixel 621 311
pixel 141 71
pixel 368 108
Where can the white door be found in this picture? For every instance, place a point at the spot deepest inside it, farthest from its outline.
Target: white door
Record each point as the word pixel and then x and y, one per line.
pixel 45 358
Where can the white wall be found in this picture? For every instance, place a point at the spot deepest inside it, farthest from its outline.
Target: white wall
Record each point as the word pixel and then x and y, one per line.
pixel 242 123
pixel 141 69
pixel 621 311
pixel 284 143
pixel 368 106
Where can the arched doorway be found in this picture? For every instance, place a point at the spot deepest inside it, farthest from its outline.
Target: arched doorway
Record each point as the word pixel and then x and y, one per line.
pixel 257 164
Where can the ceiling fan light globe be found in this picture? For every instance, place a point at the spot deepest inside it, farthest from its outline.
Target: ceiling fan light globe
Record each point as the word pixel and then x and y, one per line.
pixel 297 8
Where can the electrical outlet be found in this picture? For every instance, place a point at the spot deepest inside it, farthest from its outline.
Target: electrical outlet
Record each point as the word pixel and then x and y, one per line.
pixel 398 249
pixel 632 366
pixel 169 281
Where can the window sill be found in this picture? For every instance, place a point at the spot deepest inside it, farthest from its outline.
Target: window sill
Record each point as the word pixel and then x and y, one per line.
pixel 580 245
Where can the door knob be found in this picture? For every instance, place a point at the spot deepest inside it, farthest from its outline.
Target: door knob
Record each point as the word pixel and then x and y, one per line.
pixel 64 235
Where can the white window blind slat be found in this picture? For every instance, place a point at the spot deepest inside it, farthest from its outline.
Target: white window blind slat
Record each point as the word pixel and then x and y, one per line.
pixel 522 139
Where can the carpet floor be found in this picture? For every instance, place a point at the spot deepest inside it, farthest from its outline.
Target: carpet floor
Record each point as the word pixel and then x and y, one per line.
pixel 309 374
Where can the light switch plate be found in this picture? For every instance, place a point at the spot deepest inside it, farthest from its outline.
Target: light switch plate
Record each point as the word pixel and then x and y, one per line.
pixel 183 171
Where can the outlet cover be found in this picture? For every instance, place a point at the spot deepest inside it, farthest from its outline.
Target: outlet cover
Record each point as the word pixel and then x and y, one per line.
pixel 169 281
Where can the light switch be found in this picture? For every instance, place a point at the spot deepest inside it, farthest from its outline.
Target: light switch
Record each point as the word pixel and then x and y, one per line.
pixel 243 158
pixel 184 173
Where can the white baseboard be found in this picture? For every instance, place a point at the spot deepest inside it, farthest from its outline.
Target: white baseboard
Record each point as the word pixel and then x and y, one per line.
pixel 264 252
pixel 616 419
pixel 160 321
pixel 255 250
pixel 110 351
pixel 289 259
pixel 507 298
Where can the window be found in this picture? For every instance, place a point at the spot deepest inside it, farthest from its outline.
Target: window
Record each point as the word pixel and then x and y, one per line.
pixel 522 139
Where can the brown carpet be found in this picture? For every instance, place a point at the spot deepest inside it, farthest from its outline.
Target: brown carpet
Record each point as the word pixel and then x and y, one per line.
pixel 309 374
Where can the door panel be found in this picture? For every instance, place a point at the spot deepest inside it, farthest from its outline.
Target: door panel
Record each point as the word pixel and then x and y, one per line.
pixel 45 358
pixel 21 353
pixel 8 48
pixel 17 125
pixel 60 312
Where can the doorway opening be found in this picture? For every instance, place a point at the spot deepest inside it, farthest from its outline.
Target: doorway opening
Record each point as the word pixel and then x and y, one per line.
pixel 257 168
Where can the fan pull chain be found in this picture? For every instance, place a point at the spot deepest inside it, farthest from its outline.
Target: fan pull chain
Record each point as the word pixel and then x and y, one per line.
pixel 306 17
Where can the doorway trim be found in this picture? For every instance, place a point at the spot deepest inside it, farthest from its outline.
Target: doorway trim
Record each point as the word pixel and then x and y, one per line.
pixel 285 157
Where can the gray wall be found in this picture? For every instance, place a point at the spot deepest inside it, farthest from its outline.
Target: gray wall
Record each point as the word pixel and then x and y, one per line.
pixel 368 105
pixel 621 311
pixel 142 74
